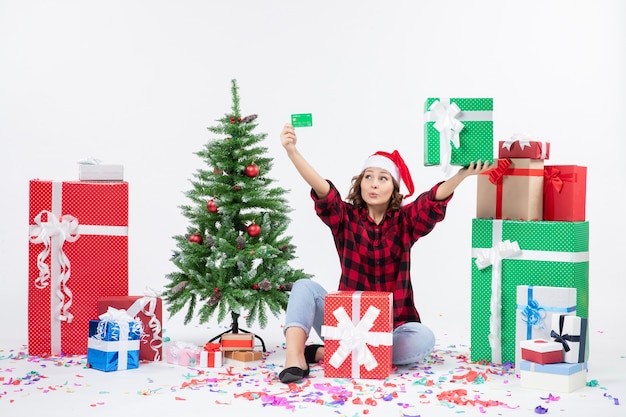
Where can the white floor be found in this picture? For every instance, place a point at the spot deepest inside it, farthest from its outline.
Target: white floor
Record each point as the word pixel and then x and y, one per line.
pixel 65 387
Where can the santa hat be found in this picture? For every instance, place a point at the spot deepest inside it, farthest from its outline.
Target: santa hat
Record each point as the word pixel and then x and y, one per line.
pixel 393 163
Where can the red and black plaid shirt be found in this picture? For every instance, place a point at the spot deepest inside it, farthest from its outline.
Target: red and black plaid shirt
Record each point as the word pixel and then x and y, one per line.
pixel 378 257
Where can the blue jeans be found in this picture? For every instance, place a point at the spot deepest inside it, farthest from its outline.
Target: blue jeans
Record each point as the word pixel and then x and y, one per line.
pixel 412 341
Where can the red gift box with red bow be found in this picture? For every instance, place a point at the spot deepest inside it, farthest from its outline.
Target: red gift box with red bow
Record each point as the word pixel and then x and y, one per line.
pixel 564 193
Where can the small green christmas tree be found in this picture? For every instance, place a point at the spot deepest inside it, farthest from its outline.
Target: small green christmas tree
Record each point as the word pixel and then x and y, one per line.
pixel 235 256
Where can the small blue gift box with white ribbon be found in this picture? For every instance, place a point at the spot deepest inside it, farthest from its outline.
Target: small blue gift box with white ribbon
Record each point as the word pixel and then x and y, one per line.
pixel 113 343
pixel 536 305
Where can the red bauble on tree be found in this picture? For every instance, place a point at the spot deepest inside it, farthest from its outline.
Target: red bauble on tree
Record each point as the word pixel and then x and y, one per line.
pixel 195 238
pixel 254 230
pixel 211 205
pixel 252 170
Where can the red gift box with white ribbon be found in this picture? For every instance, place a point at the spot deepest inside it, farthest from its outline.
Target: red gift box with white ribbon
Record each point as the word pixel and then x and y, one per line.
pixel 357 334
pixel 78 253
pixel 524 146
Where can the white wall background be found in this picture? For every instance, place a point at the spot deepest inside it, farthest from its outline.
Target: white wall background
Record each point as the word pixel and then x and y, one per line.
pixel 138 82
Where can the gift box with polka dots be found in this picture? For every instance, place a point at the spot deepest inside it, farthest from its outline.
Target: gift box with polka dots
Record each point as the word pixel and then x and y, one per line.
pixel 465 124
pixel 78 253
pixel 510 253
pixel 357 334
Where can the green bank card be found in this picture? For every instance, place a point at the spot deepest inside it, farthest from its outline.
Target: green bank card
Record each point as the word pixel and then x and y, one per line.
pixel 302 120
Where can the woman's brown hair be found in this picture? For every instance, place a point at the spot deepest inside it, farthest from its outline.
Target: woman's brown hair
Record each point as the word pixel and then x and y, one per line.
pixel 354 196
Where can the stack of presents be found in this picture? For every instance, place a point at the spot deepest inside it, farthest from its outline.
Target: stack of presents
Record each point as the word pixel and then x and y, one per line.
pixel 233 349
pixel 529 267
pixel 78 299
pixel 530 242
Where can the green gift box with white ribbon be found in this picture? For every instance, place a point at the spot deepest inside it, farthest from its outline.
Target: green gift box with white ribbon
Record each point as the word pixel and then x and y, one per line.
pixel 458 131
pixel 509 253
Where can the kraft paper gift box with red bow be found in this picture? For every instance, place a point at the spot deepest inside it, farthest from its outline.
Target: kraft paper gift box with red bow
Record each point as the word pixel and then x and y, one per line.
pixel 571 332
pixel 183 353
pixel 541 351
pixel 510 253
pixel 565 193
pixel 147 308
pixel 357 334
pixel 536 306
pixel 237 341
pixel 523 146
pixel 113 343
pixel 211 356
pixel 78 253
pixel 553 377
pixel 512 191
pixel 458 131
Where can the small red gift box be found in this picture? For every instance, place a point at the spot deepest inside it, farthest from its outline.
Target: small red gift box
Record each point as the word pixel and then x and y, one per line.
pixel 211 356
pixel 523 147
pixel 78 253
pixel 148 309
pixel 512 191
pixel 564 193
pixel 541 351
pixel 357 334
pixel 237 341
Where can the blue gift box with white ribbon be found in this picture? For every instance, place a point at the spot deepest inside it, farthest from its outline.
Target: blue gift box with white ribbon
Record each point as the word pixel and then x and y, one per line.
pixel 113 343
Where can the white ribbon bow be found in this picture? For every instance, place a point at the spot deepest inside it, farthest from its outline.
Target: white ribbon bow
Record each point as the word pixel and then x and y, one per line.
pixel 147 305
pixel 493 256
pixel 62 230
pixel 355 338
pixel 522 138
pixel 449 127
pixel 114 314
pixel 90 161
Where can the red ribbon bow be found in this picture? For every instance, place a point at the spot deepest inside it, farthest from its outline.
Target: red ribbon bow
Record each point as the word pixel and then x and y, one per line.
pixel 212 347
pixel 551 176
pixel 497 173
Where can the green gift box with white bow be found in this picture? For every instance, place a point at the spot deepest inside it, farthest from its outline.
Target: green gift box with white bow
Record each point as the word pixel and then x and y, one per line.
pixel 458 131
pixel 509 253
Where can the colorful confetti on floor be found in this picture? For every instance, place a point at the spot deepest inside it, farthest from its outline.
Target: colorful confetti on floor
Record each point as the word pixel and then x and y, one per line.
pixel 447 383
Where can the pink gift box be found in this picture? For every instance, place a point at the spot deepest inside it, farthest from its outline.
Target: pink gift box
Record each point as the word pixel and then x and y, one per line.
pixel 183 353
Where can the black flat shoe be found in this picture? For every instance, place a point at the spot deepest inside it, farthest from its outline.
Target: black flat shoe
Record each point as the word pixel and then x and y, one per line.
pixel 293 374
pixel 309 353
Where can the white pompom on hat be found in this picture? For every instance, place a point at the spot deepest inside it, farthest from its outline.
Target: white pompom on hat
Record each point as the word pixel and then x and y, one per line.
pixel 396 166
